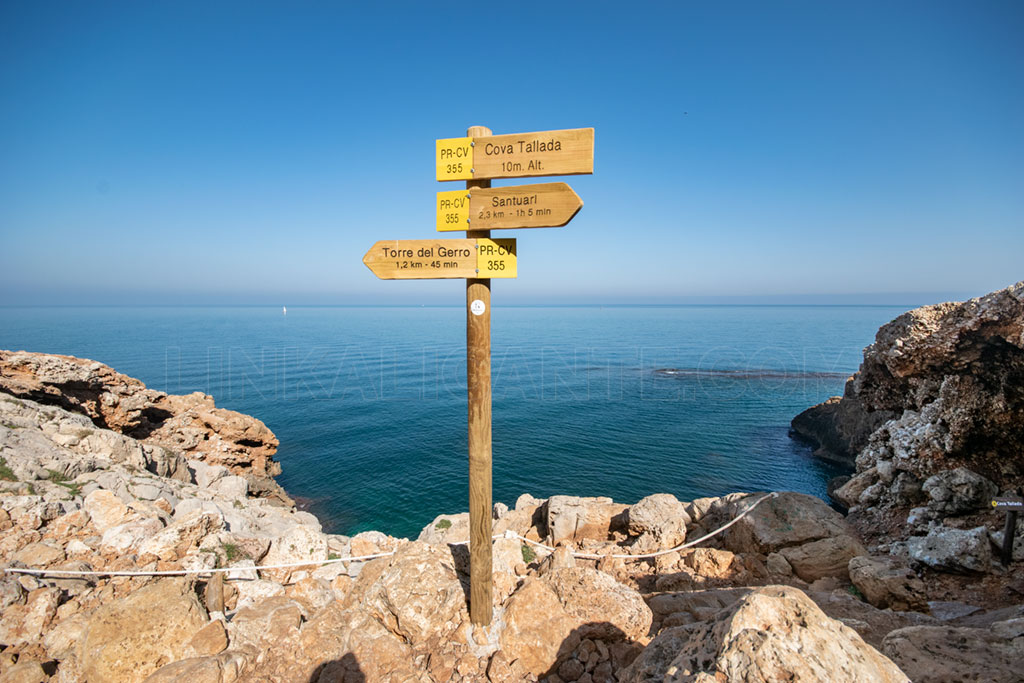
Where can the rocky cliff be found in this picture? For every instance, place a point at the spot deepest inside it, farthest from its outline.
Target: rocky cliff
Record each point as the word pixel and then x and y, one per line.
pixel 191 425
pixel 933 423
pixel 789 591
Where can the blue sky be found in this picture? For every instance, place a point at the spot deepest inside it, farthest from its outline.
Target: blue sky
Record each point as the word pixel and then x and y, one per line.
pixel 251 152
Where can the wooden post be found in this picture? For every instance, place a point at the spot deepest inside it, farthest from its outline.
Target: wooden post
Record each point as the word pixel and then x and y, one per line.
pixel 1009 531
pixel 478 380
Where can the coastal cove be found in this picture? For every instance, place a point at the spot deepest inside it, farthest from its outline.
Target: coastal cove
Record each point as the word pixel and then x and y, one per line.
pixel 369 405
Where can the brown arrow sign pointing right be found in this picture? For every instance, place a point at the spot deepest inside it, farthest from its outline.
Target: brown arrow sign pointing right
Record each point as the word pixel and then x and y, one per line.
pixel 547 205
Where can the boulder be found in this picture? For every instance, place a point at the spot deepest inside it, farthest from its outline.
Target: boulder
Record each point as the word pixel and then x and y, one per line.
pixel 958 491
pixel 25 671
pixel 937 654
pixel 710 563
pixel 311 594
pixel 39 555
pixel 123 538
pixel 266 624
pixel 887 585
pixel 606 609
pixel 415 593
pixel 659 521
pixel 300 543
pixel 571 518
pixel 183 535
pixel 212 639
pixel 222 668
pixel 538 631
pixel 128 639
pixel 105 510
pixel 253 592
pixel 826 557
pixel 773 633
pixel 446 529
pixel 871 623
pixel 953 550
pixel 789 519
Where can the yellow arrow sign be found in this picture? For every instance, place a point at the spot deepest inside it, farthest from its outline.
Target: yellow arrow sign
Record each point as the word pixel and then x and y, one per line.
pixel 439 259
pixel 546 205
pixel 519 155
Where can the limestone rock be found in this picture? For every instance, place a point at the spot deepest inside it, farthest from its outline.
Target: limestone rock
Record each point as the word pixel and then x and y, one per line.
pixel 606 609
pixel 182 536
pixel 710 563
pixel 311 594
pixel 826 557
pixel 298 544
pixel 128 639
pixel 39 555
pixel 223 668
pixel 126 537
pixel 571 518
pixel 944 381
pixel 937 654
pixel 24 672
pixel 538 631
pixel 415 593
pixel 446 529
pixel 886 585
pixel 271 622
pixel 953 550
pixel 958 491
pixel 774 633
pixel 871 623
pixel 839 428
pixel 659 520
pixel 212 639
pixel 189 424
pixel 789 519
pixel 105 510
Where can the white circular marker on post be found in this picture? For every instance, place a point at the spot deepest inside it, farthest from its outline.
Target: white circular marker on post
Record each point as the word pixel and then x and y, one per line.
pixel 477 307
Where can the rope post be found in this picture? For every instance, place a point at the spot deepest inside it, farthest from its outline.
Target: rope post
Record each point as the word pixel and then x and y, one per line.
pixel 478 389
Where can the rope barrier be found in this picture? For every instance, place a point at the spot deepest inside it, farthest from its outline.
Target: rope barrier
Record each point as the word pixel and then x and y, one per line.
pixel 362 558
pixel 647 556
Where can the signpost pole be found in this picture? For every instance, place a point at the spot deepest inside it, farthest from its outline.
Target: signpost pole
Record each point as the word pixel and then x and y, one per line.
pixel 478 380
pixel 1009 530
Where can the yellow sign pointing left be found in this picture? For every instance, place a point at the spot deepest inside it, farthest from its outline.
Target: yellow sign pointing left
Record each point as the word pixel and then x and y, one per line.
pixel 440 259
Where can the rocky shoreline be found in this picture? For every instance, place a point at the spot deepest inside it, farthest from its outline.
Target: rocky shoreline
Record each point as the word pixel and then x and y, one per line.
pixel 101 474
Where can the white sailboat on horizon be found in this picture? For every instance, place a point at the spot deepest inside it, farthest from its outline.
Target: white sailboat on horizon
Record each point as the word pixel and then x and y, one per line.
pixel 284 310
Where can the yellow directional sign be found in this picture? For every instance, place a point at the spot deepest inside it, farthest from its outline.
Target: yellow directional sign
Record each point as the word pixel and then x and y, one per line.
pixel 439 259
pixel 546 205
pixel 518 155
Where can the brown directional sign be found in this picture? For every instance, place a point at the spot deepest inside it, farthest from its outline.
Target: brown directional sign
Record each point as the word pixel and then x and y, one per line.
pixel 547 205
pixel 519 155
pixel 1011 503
pixel 440 259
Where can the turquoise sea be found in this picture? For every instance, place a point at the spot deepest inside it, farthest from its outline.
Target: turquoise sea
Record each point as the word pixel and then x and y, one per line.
pixel 370 405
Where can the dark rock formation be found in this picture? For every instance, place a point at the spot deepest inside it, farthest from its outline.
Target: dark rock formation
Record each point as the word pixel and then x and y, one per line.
pixel 941 387
pixel 839 428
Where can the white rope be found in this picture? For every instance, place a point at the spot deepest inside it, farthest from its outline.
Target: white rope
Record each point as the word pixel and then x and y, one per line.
pixel 185 572
pixel 683 546
pixel 361 558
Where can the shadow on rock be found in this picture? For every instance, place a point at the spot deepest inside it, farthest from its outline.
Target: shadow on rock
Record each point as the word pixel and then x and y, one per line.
pixel 343 670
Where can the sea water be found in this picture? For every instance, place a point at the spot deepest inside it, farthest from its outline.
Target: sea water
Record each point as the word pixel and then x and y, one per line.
pixel 369 403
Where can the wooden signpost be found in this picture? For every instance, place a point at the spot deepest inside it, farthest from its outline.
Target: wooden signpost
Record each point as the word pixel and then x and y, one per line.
pixel 478 209
pixel 520 155
pixel 438 259
pixel 549 205
pixel 1012 505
